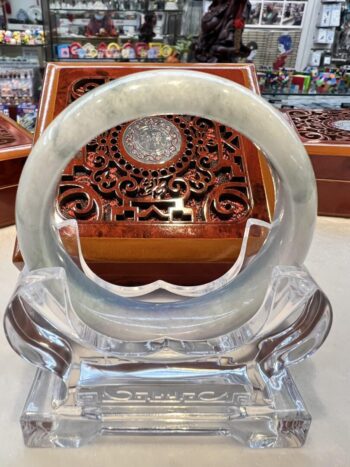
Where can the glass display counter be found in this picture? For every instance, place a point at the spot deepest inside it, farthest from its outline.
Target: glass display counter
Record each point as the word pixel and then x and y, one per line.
pixel 114 30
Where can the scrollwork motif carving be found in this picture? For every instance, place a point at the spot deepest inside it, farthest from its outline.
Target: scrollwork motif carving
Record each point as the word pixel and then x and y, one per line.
pixel 203 180
pixel 321 125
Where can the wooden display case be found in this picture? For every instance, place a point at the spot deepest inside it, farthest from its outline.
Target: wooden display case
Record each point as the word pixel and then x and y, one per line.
pixel 139 221
pixel 15 145
pixel 326 136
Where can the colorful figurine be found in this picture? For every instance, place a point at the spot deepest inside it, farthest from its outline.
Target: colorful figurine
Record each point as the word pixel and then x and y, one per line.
pixel 74 47
pixel 90 50
pixel 141 49
pixel 285 49
pixel 174 57
pixel 113 50
pixel 16 37
pixel 102 50
pixel 8 37
pixel 166 51
pixel 128 51
pixel 154 50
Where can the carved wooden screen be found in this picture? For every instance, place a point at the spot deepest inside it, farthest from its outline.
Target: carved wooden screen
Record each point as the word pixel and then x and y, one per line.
pixel 320 126
pixel 205 179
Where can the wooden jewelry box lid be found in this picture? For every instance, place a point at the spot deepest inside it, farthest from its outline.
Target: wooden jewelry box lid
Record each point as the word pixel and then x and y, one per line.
pixel 325 134
pixel 15 145
pixel 140 219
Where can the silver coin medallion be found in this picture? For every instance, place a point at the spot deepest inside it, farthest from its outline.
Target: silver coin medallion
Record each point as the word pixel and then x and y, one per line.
pixel 342 125
pixel 152 140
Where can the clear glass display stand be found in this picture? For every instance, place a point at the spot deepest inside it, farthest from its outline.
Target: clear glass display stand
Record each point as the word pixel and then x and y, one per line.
pixel 210 359
pixel 245 393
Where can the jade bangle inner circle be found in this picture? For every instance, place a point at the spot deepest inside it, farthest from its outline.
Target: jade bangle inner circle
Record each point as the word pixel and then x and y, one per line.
pixel 149 94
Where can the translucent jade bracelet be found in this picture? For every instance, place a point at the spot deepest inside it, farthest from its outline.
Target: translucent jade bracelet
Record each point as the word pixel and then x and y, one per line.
pixel 167 92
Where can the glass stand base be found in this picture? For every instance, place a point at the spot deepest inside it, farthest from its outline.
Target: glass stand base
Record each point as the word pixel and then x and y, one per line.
pixel 208 398
pixel 237 385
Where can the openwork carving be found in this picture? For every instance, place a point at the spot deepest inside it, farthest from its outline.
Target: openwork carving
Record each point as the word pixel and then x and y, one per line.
pixel 6 137
pixel 331 126
pixel 206 181
pixel 159 169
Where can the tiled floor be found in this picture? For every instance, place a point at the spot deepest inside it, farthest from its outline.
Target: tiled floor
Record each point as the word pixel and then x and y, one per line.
pixel 324 382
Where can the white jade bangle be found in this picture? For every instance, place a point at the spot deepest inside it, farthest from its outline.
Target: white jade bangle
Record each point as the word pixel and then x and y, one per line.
pixel 161 93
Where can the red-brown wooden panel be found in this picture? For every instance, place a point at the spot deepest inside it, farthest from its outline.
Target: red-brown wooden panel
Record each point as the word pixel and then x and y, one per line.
pixel 334 198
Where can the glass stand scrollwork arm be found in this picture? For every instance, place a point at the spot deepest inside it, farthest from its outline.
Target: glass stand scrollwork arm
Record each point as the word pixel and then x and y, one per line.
pixel 210 359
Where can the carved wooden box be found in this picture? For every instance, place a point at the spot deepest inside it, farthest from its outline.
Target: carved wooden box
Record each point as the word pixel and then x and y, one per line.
pixel 15 145
pixel 153 195
pixel 326 137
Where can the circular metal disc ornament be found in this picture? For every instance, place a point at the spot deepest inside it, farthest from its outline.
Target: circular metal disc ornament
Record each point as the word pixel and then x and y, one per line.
pixel 152 140
pixel 165 92
pixel 342 125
